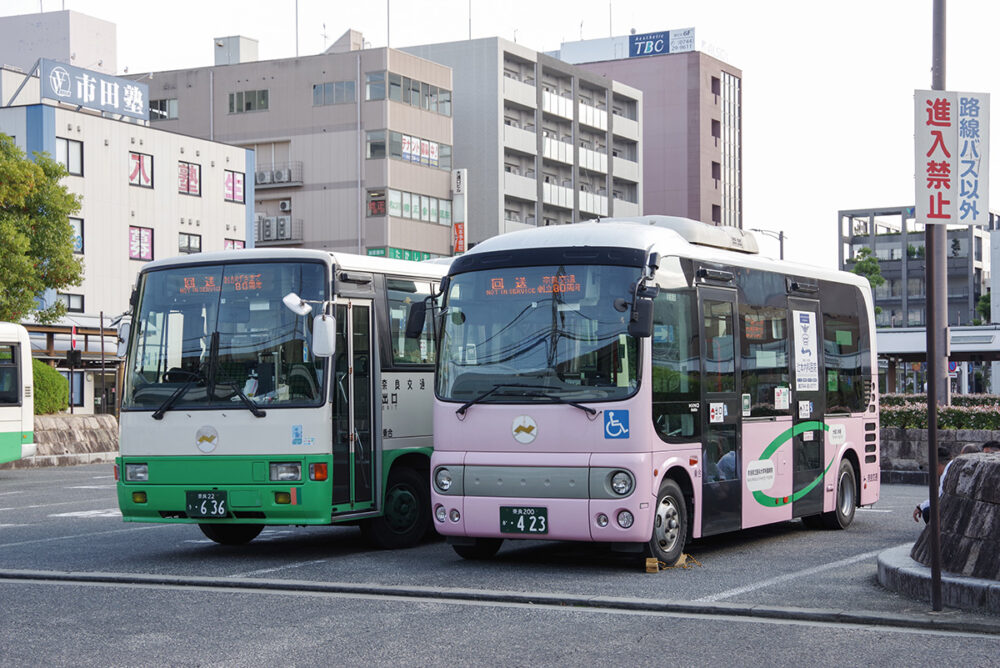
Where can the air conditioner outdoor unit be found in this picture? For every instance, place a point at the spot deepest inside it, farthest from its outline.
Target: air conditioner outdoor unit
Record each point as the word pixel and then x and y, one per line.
pixel 285 205
pixel 267 229
pixel 284 227
pixel 282 175
pixel 264 176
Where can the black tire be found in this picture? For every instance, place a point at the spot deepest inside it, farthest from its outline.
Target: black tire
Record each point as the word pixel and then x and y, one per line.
pixel 407 514
pixel 670 524
pixel 847 493
pixel 484 548
pixel 231 534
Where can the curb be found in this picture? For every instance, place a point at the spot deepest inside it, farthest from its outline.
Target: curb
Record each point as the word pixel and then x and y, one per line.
pixel 899 573
pixel 870 619
pixel 76 459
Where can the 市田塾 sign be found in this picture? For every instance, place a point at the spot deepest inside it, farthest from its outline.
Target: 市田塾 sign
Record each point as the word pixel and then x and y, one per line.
pixel 952 140
pixel 93 90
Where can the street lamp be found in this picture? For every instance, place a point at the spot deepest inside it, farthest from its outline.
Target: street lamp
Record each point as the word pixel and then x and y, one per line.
pixel 780 236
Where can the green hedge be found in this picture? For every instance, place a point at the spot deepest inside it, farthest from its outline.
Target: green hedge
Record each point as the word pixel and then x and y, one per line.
pixel 956 400
pixel 51 389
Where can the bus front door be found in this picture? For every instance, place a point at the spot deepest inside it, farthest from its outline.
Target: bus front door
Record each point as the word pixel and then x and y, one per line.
pixel 353 462
pixel 720 378
pixel 808 406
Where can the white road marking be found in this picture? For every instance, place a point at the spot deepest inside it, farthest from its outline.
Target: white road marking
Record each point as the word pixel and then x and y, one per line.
pixel 789 576
pixel 89 514
pixel 50 505
pixel 4 526
pixel 81 535
pixel 872 510
pixel 277 568
pixel 17 492
pixel 92 487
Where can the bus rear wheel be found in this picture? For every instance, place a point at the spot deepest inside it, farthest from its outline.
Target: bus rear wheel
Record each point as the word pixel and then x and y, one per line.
pixel 482 548
pixel 231 534
pixel 670 524
pixel 843 513
pixel 407 514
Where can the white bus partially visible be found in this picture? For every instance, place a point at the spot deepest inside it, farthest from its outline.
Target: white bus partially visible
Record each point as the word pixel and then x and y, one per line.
pixel 17 407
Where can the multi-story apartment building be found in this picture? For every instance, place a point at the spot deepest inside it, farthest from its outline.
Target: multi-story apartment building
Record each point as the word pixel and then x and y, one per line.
pixel 544 142
pixel 897 242
pixel 353 146
pixel 145 194
pixel 692 120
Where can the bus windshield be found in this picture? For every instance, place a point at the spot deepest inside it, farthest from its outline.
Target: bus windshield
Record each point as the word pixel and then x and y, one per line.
pixel 218 335
pixel 546 333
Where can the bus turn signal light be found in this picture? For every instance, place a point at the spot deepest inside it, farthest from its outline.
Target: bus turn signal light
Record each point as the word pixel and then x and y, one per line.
pixel 138 497
pixel 282 497
pixel 317 471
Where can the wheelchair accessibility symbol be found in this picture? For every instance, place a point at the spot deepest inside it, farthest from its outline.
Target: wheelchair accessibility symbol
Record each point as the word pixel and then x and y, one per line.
pixel 615 424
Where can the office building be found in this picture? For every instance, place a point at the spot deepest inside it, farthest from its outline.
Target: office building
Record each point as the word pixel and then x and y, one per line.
pixel 353 146
pixel 692 120
pixel 544 142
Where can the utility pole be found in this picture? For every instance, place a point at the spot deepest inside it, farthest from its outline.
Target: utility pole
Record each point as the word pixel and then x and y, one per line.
pixel 779 235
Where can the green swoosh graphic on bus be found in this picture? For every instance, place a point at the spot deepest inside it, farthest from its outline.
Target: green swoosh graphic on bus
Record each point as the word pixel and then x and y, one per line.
pixel 785 436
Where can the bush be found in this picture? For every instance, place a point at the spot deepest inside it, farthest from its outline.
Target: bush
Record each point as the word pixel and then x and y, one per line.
pixel 913 415
pixel 51 389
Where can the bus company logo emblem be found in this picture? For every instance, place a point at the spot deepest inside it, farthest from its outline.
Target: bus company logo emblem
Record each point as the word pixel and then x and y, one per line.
pixel 838 434
pixel 524 429
pixel 206 438
pixel 760 475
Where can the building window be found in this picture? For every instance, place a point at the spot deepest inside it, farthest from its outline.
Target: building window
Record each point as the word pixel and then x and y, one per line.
pixel 140 169
pixel 69 154
pixel 140 243
pixel 411 91
pixel 248 100
pixel 235 244
pixel 421 151
pixel 416 207
pixel 188 243
pixel 77 385
pixel 333 92
pixel 74 303
pixel 162 110
pixel 77 225
pixel 375 86
pixel 375 145
pixel 376 203
pixel 233 187
pixel 189 178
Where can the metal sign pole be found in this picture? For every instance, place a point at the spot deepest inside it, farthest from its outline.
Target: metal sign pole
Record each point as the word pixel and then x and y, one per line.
pixel 935 238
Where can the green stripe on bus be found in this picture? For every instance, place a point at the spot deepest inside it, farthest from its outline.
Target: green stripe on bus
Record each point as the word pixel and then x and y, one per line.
pixel 782 438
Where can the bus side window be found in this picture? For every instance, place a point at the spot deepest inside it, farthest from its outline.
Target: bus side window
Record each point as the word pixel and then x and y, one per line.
pixel 400 293
pixel 8 375
pixel 764 352
pixel 676 365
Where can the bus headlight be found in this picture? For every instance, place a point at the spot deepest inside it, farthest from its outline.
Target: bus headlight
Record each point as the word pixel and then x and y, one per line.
pixel 622 483
pixel 442 479
pixel 284 471
pixel 136 472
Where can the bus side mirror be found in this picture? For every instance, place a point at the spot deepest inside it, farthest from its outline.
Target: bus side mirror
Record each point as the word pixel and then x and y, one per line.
pixel 324 343
pixel 640 323
pixel 124 328
pixel 415 320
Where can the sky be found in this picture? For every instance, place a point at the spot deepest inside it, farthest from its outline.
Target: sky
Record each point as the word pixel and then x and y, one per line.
pixel 827 86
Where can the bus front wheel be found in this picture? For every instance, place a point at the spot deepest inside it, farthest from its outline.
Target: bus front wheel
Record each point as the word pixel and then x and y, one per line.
pixel 407 515
pixel 670 524
pixel 231 534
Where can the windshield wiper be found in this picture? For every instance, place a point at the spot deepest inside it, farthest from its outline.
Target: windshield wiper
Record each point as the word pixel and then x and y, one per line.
pixel 498 386
pixel 173 398
pixel 536 391
pixel 247 401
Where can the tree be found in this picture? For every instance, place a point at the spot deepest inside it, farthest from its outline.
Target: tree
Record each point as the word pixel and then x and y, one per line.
pixel 36 237
pixel 983 307
pixel 866 264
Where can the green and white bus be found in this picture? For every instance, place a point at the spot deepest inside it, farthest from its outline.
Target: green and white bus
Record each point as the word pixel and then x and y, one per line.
pixel 17 407
pixel 277 387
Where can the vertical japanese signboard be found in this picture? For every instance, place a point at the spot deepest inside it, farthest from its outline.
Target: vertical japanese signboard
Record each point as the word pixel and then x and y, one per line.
pixel 952 134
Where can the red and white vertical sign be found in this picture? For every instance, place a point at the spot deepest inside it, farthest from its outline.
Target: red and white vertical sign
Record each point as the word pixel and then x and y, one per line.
pixel 951 136
pixel 72 340
pixel 459 232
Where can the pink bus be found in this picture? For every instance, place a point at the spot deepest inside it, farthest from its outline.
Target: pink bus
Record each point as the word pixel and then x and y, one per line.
pixel 646 381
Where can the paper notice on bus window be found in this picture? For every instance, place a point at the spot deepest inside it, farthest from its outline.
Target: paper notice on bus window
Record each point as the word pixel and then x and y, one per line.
pixel 806 354
pixel 782 395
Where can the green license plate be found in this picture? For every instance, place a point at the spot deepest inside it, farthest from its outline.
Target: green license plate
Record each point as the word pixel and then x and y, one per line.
pixel 524 519
pixel 211 503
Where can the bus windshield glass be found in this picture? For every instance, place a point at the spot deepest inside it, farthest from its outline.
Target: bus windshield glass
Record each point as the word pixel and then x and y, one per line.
pixel 215 332
pixel 539 334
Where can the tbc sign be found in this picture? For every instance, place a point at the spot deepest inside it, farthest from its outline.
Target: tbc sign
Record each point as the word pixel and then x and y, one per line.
pixel 952 138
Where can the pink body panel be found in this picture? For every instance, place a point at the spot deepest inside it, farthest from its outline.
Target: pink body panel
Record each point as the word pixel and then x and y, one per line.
pixel 756 437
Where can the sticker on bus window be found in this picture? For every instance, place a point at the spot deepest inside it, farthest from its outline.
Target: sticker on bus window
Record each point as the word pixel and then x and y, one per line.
pixel 805 409
pixel 746 405
pixel 716 412
pixel 782 397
